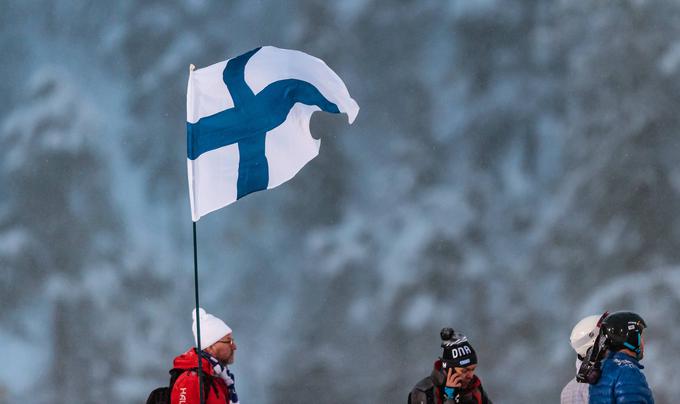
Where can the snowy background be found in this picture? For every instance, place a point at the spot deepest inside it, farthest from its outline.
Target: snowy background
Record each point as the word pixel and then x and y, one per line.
pixel 514 167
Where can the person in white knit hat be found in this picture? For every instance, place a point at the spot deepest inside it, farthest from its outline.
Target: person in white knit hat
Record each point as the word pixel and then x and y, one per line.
pixel 217 353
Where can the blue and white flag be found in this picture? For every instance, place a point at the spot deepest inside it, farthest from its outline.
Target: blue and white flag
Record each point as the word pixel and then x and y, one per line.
pixel 248 122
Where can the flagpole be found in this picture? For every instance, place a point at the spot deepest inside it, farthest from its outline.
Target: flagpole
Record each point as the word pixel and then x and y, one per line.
pixel 198 314
pixel 198 321
pixel 229 126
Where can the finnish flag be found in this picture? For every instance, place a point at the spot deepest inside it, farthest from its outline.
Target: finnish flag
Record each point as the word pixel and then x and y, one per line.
pixel 248 122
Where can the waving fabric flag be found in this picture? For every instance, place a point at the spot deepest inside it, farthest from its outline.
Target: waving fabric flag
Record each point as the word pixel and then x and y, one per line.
pixel 248 122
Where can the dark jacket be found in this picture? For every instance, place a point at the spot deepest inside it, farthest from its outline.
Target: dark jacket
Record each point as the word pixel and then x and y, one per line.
pixel 621 382
pixel 430 391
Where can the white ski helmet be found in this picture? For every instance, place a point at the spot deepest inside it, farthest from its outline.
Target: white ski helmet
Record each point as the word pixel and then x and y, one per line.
pixel 583 334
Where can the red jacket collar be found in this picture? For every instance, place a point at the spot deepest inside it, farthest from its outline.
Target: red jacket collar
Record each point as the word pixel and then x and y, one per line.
pixel 189 360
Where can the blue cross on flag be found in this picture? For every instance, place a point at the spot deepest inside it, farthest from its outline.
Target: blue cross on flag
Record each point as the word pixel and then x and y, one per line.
pixel 248 122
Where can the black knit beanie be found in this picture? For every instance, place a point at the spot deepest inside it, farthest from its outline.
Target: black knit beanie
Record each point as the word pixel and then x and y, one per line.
pixel 457 350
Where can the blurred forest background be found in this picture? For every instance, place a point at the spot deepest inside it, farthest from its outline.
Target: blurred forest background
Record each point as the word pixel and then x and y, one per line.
pixel 514 167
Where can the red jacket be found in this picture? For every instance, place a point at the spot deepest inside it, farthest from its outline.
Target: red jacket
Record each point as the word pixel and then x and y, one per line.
pixel 185 390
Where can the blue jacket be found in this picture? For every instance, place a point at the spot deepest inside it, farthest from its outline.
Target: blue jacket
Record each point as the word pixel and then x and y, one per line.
pixel 621 382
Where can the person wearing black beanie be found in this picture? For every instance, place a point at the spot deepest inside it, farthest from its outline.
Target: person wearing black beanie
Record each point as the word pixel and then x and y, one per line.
pixel 453 379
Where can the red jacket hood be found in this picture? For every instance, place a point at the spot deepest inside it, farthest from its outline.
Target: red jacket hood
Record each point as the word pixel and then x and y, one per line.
pixel 189 360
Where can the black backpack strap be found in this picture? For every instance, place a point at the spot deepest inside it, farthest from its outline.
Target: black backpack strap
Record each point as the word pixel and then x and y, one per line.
pixel 174 375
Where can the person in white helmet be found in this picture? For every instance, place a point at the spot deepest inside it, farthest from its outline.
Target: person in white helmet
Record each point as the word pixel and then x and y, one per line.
pixel 582 338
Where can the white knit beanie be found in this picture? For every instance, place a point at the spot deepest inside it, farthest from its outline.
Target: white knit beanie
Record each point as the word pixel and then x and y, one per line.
pixel 212 328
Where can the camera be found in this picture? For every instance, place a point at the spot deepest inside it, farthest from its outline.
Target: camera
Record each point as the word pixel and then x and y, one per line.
pixel 590 370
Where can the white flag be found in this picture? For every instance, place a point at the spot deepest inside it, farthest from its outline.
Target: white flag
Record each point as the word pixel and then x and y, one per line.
pixel 248 122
